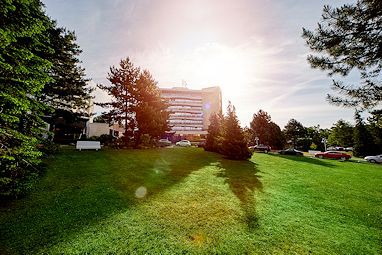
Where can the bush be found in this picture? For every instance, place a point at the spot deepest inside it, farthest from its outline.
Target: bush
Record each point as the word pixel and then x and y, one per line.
pixel 19 167
pixel 48 147
pixel 106 139
pixel 145 141
pixel 313 146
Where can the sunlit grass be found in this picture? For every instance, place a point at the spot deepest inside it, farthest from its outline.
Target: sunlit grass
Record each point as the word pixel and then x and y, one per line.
pixel 185 200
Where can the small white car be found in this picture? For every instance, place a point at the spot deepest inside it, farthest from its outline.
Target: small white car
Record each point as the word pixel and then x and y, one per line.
pixel 184 143
pixel 374 159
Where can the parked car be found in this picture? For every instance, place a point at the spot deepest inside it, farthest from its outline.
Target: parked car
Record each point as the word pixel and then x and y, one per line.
pixel 260 147
pixel 374 159
pixel 349 149
pixel 333 155
pixel 291 152
pixel 184 143
pixel 164 142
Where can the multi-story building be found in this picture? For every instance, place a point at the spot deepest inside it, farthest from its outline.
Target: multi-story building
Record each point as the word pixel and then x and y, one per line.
pixel 190 110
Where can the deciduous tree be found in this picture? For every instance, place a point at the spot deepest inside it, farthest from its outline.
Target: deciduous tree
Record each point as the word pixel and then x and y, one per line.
pixel 260 127
pixel 341 134
pixel 266 131
pixel 294 131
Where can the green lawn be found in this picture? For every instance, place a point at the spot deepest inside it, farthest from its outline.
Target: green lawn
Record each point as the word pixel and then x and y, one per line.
pixel 185 200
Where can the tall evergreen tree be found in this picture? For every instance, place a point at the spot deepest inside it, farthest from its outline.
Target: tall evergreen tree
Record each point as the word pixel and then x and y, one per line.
pixel 123 81
pixel 349 38
pixel 375 128
pixel 150 110
pixel 214 133
pixel 23 45
pixel 68 89
pixel 234 145
pixel 136 102
pixel 363 140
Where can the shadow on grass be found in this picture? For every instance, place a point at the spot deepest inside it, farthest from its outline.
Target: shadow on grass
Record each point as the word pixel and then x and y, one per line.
pixel 243 180
pixel 304 159
pixel 83 188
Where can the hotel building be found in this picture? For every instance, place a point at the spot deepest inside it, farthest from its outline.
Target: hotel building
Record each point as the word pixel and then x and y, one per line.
pixel 190 110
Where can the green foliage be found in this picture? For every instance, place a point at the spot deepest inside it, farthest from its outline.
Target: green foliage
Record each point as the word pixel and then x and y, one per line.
pixel 48 147
pixel 313 146
pixel 348 38
pixel 341 134
pixel 234 145
pixel 38 67
pixel 260 127
pixel 68 88
pixel 23 74
pixel 315 135
pixel 225 136
pixel 213 141
pixel 136 102
pixel 375 129
pixel 294 131
pixel 123 81
pixel 268 132
pixel 363 140
pixel 150 109
pixel 146 141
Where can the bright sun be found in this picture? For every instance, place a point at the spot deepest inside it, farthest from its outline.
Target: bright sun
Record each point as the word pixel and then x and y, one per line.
pixel 226 67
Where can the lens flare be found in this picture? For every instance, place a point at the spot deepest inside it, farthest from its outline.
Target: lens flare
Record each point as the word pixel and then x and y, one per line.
pixel 141 192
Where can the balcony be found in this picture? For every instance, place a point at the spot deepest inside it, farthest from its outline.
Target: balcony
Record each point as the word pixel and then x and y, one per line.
pixel 180 96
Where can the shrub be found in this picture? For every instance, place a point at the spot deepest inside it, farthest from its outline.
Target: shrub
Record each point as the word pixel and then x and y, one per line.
pixel 48 147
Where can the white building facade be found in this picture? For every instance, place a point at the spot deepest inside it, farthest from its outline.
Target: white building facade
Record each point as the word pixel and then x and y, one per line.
pixel 190 110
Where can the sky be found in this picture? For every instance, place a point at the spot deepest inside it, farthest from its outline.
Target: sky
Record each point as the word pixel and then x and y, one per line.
pixel 252 49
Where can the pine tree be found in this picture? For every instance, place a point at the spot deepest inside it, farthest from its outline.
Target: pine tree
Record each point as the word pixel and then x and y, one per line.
pixel 23 74
pixel 136 103
pixel 349 38
pixel 234 145
pixel 68 89
pixel 150 110
pixel 123 81
pixel 363 140
pixel 375 127
pixel 214 133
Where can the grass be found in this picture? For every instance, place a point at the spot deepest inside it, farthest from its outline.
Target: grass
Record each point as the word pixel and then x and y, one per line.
pixel 185 200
